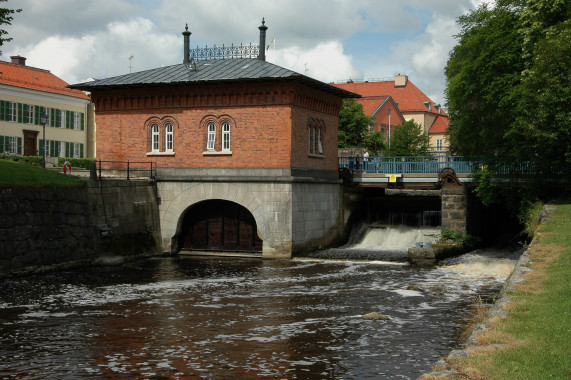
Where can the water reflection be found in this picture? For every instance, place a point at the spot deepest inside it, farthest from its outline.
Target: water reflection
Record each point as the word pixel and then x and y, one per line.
pixel 189 317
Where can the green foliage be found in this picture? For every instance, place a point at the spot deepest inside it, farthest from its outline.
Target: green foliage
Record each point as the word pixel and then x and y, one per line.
pixel 481 73
pixel 6 19
pixel 33 160
pixel 84 163
pixel 409 139
pixel 354 125
pixel 508 91
pixel 449 236
pixel 374 142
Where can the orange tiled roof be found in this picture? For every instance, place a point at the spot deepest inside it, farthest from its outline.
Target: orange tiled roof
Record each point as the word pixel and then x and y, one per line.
pixel 33 78
pixel 440 125
pixel 409 97
pixel 370 104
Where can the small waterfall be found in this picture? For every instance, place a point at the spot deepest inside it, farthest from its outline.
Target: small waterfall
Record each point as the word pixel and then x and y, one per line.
pixel 380 242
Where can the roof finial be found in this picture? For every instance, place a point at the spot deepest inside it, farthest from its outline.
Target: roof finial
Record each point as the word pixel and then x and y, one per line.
pixel 262 51
pixel 186 53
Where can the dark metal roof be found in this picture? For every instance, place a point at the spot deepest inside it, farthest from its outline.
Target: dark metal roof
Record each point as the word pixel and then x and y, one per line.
pixel 213 71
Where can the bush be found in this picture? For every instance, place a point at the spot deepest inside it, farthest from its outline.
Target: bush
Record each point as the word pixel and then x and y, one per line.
pixel 84 163
pixel 33 160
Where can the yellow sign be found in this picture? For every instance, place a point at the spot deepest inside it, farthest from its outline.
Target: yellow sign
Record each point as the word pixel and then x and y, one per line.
pixel 393 178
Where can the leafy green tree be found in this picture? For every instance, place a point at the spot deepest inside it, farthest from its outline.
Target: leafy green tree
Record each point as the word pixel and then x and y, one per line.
pixel 354 125
pixel 374 142
pixel 482 71
pixel 6 18
pixel 509 90
pixel 542 130
pixel 409 139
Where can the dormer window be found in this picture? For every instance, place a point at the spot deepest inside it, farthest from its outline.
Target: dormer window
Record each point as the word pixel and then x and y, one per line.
pixel 428 105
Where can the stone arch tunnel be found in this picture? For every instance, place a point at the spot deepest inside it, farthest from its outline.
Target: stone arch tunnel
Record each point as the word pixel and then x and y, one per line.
pixel 219 226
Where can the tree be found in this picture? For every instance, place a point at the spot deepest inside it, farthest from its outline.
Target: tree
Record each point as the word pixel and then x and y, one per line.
pixel 409 139
pixel 508 91
pixel 482 71
pixel 354 125
pixel 374 142
pixel 6 18
pixel 542 130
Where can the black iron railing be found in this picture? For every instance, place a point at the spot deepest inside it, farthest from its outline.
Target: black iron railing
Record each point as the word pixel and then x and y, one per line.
pixel 129 170
pixel 225 52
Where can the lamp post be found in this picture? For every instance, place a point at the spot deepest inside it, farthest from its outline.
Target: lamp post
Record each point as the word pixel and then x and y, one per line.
pixel 44 121
pixel 389 129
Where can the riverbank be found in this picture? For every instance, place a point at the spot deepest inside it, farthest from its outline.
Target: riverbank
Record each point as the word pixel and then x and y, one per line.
pixel 526 333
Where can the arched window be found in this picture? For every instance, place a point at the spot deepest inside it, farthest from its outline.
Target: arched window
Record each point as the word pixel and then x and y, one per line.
pixel 315 133
pixel 211 138
pixel 169 137
pixel 155 138
pixel 226 136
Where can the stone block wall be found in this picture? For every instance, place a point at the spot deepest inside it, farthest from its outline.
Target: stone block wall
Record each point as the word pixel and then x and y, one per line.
pixel 316 215
pixel 454 208
pixel 42 227
pixel 130 210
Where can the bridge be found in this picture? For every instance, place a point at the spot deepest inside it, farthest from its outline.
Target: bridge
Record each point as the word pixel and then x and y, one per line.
pixel 420 172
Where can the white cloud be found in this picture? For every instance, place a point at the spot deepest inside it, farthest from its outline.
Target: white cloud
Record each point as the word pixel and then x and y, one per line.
pixel 77 40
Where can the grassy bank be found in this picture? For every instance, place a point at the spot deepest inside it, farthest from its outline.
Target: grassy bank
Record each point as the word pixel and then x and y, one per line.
pixel 534 340
pixel 22 174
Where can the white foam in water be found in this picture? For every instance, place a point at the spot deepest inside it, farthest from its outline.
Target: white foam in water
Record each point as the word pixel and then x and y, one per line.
pixel 397 237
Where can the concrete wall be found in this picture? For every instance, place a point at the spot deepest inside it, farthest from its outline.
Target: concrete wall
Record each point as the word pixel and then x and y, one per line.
pixel 293 210
pixel 317 211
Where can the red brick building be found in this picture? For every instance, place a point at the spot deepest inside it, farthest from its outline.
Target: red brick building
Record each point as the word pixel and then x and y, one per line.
pixel 412 104
pixel 230 123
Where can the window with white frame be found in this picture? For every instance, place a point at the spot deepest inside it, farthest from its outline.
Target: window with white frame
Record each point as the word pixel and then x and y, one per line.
pixel 211 137
pixel 169 137
pixel 62 118
pixel 155 137
pixel 439 144
pixel 13 145
pixel 47 148
pixel 226 136
pixel 77 121
pixel 30 114
pixel 13 111
pixel 76 150
pixel 61 148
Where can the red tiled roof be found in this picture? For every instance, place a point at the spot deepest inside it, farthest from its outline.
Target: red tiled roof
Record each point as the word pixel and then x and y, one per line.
pixel 33 78
pixel 440 125
pixel 408 97
pixel 371 104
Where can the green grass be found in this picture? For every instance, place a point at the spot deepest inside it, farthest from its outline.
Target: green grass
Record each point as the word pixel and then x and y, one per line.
pixel 537 334
pixel 22 174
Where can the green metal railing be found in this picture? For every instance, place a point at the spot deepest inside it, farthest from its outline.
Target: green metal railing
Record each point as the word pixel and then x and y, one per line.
pixel 402 164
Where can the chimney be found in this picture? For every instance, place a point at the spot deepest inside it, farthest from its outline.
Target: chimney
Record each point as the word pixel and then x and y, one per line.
pixel 401 80
pixel 17 60
pixel 186 53
pixel 262 53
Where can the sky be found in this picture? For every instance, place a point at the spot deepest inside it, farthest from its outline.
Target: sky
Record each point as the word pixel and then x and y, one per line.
pixel 329 40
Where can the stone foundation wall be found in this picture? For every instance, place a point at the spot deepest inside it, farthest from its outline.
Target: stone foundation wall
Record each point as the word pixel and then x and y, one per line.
pixel 42 227
pixel 454 208
pixel 47 228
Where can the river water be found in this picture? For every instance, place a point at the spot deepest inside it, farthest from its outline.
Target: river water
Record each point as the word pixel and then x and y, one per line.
pixel 216 318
